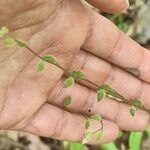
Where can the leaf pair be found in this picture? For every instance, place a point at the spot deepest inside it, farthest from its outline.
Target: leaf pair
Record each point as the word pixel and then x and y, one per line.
pixel 135 104
pixel 74 75
pixel 103 90
pixel 88 134
pixel 41 63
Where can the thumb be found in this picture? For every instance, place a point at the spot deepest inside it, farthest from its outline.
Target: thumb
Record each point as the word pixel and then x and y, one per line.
pixel 110 6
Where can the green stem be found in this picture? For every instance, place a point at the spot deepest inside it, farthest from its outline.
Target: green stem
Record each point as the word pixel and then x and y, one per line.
pixel 113 94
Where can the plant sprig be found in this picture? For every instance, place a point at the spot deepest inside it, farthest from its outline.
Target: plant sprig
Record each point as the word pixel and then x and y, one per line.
pixel 103 90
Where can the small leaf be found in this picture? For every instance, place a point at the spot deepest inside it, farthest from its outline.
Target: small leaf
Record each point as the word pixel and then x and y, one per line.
pixel 133 111
pixel 87 137
pixel 87 124
pixel 21 43
pixel 78 75
pixel 3 31
pixel 67 101
pixel 96 117
pixel 106 87
pixel 49 58
pixel 9 41
pixel 137 103
pixel 99 134
pixel 40 66
pixel 101 94
pixel 69 82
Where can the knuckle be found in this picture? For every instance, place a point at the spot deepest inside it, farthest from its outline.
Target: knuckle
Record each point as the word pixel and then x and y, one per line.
pixel 117 46
pixel 60 126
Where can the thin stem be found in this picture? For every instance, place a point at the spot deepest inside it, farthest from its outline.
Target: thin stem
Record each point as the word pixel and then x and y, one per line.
pixel 113 94
pixel 101 129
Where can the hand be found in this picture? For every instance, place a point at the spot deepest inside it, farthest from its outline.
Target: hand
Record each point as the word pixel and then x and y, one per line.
pixel 80 39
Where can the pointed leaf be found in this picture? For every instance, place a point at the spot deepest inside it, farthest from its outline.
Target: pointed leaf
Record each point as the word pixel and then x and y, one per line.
pixel 87 124
pixel 69 82
pixel 67 101
pixel 96 117
pixel 78 75
pixel 49 58
pixel 40 66
pixel 9 41
pixel 137 103
pixel 99 134
pixel 101 94
pixel 106 87
pixel 133 111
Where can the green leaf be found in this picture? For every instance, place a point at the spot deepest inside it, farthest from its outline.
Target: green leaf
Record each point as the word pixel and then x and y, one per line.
pixel 9 41
pixel 67 101
pixel 135 140
pixel 96 117
pixel 21 43
pixel 4 31
pixel 132 111
pixel 87 137
pixel 101 94
pixel 76 146
pixel 99 134
pixel 137 103
pixel 78 75
pixel 108 146
pixel 40 66
pixel 49 58
pixel 69 82
pixel 87 124
pixel 106 87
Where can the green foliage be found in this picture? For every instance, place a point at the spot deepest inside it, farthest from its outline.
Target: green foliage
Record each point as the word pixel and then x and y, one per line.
pixel 96 117
pixel 87 137
pixel 132 110
pixel 3 31
pixel 49 58
pixel 67 101
pixel 9 41
pixel 87 124
pixel 108 146
pixel 101 94
pixel 99 134
pixel 137 103
pixel 135 140
pixel 69 82
pixel 106 87
pixel 78 75
pixel 40 66
pixel 118 19
pixel 21 43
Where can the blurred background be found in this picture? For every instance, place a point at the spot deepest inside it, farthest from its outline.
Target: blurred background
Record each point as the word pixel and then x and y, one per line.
pixel 135 22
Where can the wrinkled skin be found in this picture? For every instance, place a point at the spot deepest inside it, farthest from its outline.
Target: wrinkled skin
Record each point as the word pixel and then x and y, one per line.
pixel 79 38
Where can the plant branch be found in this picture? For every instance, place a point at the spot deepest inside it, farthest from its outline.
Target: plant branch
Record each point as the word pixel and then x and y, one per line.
pixel 110 94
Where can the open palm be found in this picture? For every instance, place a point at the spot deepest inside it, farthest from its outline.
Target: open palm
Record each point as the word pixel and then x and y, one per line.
pixel 82 40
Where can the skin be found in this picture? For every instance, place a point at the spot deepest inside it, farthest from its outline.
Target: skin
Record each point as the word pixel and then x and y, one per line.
pixel 80 39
